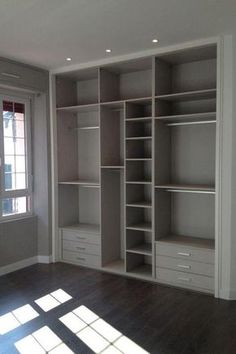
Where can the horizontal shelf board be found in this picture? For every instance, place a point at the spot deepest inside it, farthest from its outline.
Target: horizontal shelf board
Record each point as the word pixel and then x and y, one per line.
pixel 142 204
pixel 145 226
pixel 118 104
pixel 138 119
pixel 139 138
pixel 117 266
pixel 187 188
pixel 139 159
pixel 79 108
pixel 189 241
pixel 140 100
pixel 143 270
pixel 113 167
pixel 82 183
pixel 94 127
pixel 90 228
pixel 114 105
pixel 138 182
pixel 145 248
pixel 182 118
pixel 189 95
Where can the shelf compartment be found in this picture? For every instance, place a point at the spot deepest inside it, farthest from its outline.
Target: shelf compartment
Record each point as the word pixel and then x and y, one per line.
pixel 189 95
pixel 117 266
pixel 139 149
pixel 139 195
pixel 184 118
pixel 89 228
pixel 187 188
pixel 189 241
pixel 138 171
pixel 144 248
pixel 139 129
pixel 139 109
pixel 139 265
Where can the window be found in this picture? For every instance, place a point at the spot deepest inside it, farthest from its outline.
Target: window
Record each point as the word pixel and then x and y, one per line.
pixel 15 166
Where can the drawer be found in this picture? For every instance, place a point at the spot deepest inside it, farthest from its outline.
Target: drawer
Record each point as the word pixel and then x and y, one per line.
pixel 185 280
pixel 185 265
pixel 81 247
pixel 86 237
pixel 81 258
pixel 191 253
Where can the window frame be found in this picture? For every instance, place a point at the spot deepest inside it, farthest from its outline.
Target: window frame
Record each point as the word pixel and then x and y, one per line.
pixel 28 191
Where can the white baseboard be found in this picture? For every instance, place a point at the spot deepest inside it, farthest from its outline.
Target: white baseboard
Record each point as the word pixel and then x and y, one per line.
pixel 44 259
pixel 18 265
pixel 228 294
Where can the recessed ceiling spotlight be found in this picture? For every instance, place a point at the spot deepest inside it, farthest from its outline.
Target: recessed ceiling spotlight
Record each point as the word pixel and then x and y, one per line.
pixel 155 40
pixel 108 50
pixel 68 59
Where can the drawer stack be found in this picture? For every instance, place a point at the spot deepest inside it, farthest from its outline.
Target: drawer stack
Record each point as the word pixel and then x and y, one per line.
pixel 81 245
pixel 185 265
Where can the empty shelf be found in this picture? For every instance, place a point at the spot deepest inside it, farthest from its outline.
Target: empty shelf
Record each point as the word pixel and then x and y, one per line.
pixel 90 228
pixel 189 241
pixel 189 95
pixel 192 188
pixel 145 226
pixel 82 183
pixel 138 182
pixel 139 138
pixel 117 266
pixel 145 249
pixel 184 118
pixel 143 204
pixel 144 270
pixel 79 108
pixel 138 119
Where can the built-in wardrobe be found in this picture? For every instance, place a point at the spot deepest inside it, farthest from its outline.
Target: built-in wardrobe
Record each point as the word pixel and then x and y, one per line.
pixel 136 167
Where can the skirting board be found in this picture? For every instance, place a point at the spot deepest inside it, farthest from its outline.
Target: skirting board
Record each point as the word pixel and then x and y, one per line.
pixel 24 263
pixel 228 294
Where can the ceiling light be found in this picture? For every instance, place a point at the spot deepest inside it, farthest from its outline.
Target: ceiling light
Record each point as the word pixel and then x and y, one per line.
pixel 108 50
pixel 68 59
pixel 155 40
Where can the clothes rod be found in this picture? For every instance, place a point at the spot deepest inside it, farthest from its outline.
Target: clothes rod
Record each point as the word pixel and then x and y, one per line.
pixel 192 123
pixel 190 191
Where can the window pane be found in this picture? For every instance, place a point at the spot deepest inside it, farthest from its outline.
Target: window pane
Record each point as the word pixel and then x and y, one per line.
pixel 14 128
pixel 20 163
pixel 20 181
pixel 11 206
pixel 10 165
pixel 14 146
pixel 10 182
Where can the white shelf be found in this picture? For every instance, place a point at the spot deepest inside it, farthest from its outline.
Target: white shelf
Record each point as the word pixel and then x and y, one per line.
pixel 114 105
pixel 95 127
pixel 189 95
pixel 145 226
pixel 79 108
pixel 191 188
pixel 189 241
pixel 138 182
pixel 143 204
pixel 145 249
pixel 139 138
pixel 144 271
pixel 81 183
pixel 89 228
pixel 113 167
pixel 138 119
pixel 139 159
pixel 184 118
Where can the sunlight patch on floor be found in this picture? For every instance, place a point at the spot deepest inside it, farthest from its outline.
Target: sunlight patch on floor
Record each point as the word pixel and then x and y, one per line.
pixel 52 300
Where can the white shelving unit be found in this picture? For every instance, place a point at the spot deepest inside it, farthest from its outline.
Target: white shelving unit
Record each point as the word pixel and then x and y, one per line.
pixel 136 167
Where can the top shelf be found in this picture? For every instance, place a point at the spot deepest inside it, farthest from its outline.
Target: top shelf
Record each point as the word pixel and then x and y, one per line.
pixel 79 108
pixel 189 241
pixel 189 95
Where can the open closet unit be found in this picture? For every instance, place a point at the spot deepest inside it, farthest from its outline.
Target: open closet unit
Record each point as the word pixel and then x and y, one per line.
pixel 136 157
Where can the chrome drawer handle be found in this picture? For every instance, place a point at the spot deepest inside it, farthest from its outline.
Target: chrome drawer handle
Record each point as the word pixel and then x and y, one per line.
pixel 184 254
pixel 185 279
pixel 81 248
pixel 184 266
pixel 80 259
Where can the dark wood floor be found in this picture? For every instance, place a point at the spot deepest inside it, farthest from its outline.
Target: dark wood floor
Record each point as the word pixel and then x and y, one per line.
pixel 161 320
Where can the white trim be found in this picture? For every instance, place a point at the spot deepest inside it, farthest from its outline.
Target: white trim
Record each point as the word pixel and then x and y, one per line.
pixel 44 259
pixel 18 265
pixel 135 55
pixel 228 294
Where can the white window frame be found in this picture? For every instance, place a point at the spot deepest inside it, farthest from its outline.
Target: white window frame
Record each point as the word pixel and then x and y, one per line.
pixel 28 191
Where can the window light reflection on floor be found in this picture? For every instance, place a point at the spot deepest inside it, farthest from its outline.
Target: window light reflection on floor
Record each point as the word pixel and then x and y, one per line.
pixel 52 300
pixel 16 318
pixel 42 341
pixel 97 334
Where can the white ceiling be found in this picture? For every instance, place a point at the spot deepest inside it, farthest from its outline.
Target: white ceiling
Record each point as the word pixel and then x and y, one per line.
pixel 45 32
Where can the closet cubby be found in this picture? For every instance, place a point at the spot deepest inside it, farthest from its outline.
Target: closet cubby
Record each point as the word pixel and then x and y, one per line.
pixel 77 89
pixel 128 80
pixel 112 138
pixel 136 159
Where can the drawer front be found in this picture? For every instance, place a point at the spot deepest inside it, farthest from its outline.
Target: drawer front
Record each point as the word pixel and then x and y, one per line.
pixel 81 258
pixel 82 247
pixel 190 253
pixel 185 265
pixel 85 237
pixel 186 280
